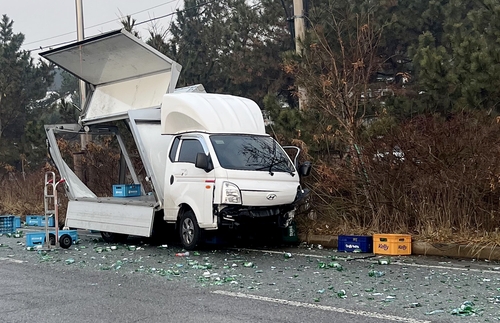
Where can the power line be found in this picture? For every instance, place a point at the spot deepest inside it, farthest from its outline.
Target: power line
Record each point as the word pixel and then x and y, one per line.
pixel 172 13
pixel 139 23
pixel 100 24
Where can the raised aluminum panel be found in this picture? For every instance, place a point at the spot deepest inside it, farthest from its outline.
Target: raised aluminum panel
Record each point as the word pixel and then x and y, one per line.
pixel 133 219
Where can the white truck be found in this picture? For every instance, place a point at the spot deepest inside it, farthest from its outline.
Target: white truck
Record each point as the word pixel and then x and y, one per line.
pixel 207 157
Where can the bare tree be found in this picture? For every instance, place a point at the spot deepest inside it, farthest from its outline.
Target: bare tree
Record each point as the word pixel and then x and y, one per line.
pixel 335 67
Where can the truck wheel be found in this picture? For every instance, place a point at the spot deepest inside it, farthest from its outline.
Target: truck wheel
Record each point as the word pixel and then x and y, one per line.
pixel 189 231
pixel 110 237
pixel 65 241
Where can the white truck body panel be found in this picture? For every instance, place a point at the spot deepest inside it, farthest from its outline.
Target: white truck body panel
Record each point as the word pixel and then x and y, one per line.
pixel 126 73
pixel 128 95
pixel 117 215
pixel 203 112
pixel 154 148
pixel 75 187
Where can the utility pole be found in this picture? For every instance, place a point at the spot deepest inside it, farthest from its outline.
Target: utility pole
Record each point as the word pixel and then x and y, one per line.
pixel 300 30
pixel 298 19
pixel 80 37
pixel 84 138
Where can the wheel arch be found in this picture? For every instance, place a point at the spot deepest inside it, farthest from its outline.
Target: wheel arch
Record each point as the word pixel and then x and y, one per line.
pixel 183 208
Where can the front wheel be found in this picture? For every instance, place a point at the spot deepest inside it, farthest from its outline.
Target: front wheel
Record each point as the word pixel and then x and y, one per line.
pixel 189 231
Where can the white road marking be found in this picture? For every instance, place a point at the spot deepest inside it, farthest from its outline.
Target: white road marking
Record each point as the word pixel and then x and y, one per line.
pixel 486 271
pixel 320 307
pixel 11 260
pixel 448 268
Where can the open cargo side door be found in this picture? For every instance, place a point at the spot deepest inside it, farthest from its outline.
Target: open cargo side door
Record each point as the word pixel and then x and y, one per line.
pixel 123 72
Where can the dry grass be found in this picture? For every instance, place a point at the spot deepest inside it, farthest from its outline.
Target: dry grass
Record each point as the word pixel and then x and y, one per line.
pixel 22 195
pixel 446 188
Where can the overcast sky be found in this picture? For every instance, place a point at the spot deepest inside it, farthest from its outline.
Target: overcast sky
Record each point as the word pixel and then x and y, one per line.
pixel 51 22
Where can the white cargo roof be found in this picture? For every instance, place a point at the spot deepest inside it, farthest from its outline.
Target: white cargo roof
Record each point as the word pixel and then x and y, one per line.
pixel 212 113
pixel 126 73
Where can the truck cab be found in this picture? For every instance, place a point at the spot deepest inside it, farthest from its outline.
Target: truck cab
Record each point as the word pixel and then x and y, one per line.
pixel 223 169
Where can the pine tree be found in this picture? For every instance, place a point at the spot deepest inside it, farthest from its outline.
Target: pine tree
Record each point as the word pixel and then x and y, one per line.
pixel 22 82
pixel 229 46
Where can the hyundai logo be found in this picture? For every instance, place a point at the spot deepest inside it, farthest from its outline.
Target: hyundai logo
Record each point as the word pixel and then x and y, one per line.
pixel 271 196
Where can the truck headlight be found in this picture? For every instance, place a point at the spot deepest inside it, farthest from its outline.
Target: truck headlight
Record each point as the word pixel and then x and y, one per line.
pixel 230 193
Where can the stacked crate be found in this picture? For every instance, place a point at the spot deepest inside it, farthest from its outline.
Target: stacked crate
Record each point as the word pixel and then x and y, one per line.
pixel 7 224
pixel 39 220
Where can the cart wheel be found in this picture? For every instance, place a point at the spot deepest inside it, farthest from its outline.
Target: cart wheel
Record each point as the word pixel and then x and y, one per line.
pixel 52 239
pixel 65 241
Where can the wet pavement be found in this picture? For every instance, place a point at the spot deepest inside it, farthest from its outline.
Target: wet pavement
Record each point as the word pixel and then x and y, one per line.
pixel 402 288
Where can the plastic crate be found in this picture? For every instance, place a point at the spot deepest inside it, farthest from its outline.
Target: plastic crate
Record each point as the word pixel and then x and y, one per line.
pixel 34 238
pixel 355 243
pixel 392 244
pixel 39 220
pixel 7 224
pixel 17 222
pixel 127 190
pixel 38 238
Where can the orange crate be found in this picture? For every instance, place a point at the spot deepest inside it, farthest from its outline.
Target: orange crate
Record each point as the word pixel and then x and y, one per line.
pixel 392 244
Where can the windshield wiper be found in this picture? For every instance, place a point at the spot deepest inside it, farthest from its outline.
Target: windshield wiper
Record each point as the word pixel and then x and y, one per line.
pixel 274 163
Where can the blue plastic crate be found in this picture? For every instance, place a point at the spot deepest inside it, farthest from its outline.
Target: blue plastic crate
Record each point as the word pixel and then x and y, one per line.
pixel 355 243
pixel 39 220
pixel 17 222
pixel 129 190
pixel 38 238
pixel 34 238
pixel 7 224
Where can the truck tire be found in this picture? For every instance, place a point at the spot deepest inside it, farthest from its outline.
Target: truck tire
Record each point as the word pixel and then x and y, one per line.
pixel 189 231
pixel 110 237
pixel 65 241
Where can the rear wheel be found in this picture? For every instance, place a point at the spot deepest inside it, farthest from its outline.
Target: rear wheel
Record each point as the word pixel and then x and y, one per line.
pixel 189 231
pixel 111 237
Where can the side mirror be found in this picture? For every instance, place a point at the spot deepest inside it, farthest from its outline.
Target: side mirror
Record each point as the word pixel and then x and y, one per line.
pixel 203 162
pixel 305 169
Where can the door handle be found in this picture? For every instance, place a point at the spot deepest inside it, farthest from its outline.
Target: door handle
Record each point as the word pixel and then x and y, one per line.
pixel 171 179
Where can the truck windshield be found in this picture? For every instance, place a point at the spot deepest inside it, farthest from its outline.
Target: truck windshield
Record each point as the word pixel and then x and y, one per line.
pixel 251 152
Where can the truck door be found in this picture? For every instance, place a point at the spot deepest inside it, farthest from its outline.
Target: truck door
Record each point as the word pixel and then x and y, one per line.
pixel 186 184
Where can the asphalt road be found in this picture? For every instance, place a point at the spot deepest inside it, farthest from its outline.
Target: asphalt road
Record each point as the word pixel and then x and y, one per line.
pixel 95 281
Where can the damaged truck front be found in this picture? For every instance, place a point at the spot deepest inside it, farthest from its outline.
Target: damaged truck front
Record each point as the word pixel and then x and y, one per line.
pixel 209 163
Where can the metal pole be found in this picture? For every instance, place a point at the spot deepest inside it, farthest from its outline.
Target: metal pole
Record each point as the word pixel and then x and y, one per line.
pixel 80 36
pixel 299 23
pixel 84 138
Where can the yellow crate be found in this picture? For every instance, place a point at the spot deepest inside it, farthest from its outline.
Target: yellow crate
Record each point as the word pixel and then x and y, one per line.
pixel 392 244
